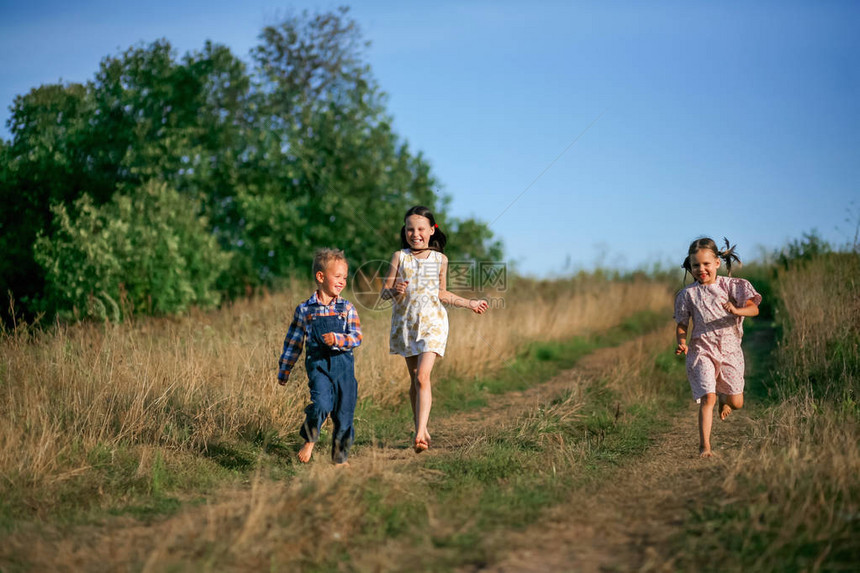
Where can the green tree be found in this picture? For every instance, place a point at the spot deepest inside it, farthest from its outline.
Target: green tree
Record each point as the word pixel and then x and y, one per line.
pixel 146 252
pixel 288 154
pixel 43 164
pixel 335 173
pixel 144 116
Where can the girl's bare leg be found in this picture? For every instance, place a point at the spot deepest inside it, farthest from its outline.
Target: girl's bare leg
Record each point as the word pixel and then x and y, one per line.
pixel 706 418
pixel 729 402
pixel 423 399
pixel 412 366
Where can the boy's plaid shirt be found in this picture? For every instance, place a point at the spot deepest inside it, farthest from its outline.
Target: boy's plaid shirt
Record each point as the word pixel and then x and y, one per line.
pixel 300 328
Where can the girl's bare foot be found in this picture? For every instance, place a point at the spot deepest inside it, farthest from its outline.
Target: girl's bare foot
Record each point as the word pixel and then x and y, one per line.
pixel 705 453
pixel 724 408
pixel 306 451
pixel 421 445
pixel 342 465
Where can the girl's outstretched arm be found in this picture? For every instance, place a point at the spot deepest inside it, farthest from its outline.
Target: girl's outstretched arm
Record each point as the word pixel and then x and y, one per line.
pixel 393 288
pixel 478 306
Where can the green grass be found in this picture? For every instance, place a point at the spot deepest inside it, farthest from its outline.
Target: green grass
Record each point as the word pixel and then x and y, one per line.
pixel 803 519
pixel 505 481
pixel 537 363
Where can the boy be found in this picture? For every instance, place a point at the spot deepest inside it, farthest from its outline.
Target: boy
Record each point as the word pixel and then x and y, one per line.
pixel 330 325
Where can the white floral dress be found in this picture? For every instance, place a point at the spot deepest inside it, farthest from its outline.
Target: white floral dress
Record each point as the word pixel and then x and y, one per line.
pixel 419 322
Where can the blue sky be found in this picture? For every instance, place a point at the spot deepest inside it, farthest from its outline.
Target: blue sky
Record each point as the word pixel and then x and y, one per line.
pixel 679 119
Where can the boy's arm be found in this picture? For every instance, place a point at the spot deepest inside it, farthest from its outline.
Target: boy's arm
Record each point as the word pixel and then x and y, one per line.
pixel 352 337
pixel 293 344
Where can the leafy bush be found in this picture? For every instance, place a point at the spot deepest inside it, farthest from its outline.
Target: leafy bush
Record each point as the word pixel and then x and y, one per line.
pixel 803 250
pixel 146 251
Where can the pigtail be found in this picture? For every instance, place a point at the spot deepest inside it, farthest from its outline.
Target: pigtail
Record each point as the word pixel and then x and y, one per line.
pixel 729 256
pixel 687 269
pixel 438 240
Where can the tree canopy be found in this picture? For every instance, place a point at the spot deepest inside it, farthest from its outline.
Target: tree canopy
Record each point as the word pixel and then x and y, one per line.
pixel 270 159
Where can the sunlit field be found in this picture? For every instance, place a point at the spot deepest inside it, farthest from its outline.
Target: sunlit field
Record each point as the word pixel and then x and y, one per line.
pixel 178 425
pixel 791 500
pixel 79 399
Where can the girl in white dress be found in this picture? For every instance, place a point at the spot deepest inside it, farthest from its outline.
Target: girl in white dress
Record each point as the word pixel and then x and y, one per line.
pixel 419 322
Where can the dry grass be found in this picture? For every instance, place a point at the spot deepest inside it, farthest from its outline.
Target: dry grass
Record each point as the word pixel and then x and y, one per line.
pixel 820 351
pixel 791 501
pixel 279 526
pixel 799 490
pixel 75 397
pixel 647 371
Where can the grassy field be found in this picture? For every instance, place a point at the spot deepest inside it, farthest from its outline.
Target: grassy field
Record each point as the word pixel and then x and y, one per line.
pixel 121 417
pixel 166 443
pixel 791 500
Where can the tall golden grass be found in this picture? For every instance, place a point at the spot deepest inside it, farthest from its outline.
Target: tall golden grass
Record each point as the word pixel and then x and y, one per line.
pixel 325 518
pixel 795 494
pixel 177 385
pixel 820 351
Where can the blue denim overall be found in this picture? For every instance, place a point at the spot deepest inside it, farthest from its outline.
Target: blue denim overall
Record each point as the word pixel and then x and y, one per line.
pixel 331 379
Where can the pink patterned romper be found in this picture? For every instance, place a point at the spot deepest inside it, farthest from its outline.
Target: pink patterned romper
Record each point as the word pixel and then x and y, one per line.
pixel 715 362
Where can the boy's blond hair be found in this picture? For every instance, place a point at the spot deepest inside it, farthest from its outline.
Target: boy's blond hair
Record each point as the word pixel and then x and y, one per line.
pixel 323 257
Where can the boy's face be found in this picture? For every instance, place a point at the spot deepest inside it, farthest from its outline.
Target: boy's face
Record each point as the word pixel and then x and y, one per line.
pixel 333 280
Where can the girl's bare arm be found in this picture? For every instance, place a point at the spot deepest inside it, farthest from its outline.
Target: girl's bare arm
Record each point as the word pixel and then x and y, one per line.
pixel 392 287
pixel 749 309
pixel 477 306
pixel 681 338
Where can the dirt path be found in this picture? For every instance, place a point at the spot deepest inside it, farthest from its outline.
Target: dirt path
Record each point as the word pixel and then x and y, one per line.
pixel 625 524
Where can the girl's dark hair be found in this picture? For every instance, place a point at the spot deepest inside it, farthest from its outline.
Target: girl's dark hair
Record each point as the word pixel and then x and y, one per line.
pixel 437 239
pixel 728 254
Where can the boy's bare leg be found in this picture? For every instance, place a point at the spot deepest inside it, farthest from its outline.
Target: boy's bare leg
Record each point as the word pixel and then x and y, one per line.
pixel 706 418
pixel 306 451
pixel 729 402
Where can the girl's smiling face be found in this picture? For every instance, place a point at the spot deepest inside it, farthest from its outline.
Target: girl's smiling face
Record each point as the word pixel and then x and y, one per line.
pixel 418 232
pixel 704 265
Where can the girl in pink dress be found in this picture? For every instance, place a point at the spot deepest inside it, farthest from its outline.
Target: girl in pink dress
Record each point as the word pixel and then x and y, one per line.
pixel 717 305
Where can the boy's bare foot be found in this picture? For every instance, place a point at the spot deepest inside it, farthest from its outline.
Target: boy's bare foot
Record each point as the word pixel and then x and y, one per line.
pixel 342 465
pixel 705 453
pixel 306 451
